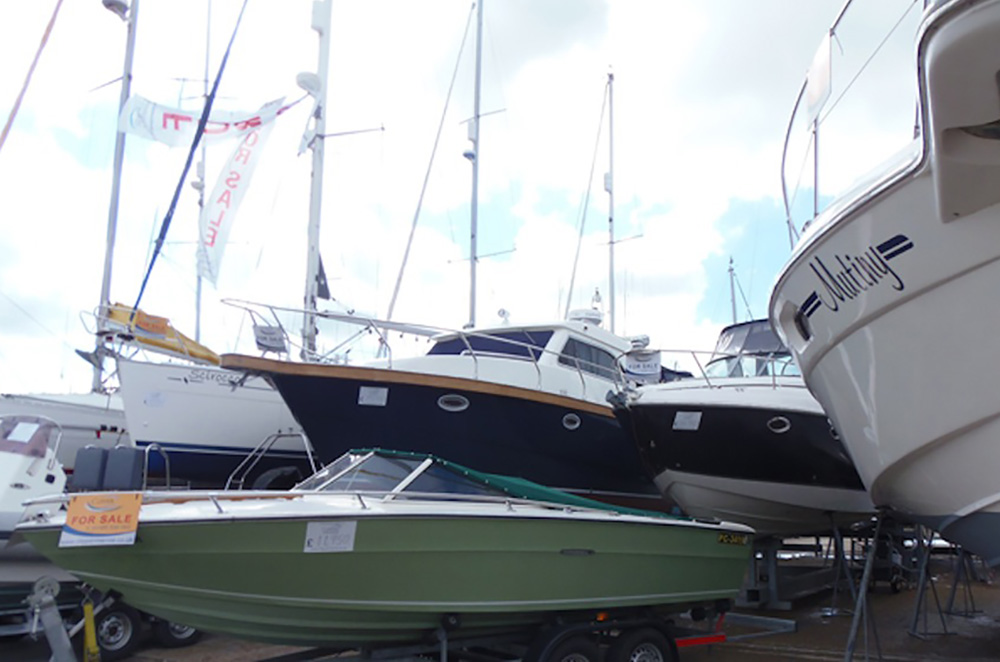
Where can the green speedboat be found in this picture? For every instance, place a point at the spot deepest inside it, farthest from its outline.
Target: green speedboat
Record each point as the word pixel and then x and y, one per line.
pixel 383 546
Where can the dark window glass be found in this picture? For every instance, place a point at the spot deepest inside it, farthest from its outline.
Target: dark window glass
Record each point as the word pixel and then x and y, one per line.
pixel 589 358
pixel 754 337
pixel 528 344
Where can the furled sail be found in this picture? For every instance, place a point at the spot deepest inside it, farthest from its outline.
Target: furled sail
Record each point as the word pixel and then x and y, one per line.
pixel 155 333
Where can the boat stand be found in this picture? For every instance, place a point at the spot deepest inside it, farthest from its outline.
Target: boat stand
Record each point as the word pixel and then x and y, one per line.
pixel 775 586
pixel 862 613
pixel 920 610
pixel 844 574
pixel 964 571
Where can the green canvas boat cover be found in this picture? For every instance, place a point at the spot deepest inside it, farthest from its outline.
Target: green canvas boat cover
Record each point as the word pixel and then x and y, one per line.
pixel 519 488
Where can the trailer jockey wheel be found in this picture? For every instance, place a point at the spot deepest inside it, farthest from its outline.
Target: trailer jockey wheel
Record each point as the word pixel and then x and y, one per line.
pixel 119 631
pixel 642 645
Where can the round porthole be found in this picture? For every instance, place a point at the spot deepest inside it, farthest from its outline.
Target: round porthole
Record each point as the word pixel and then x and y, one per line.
pixel 779 425
pixel 453 402
pixel 571 421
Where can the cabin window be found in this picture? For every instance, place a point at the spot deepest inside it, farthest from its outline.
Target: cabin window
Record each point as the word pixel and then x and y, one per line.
pixel 589 358
pixel 522 343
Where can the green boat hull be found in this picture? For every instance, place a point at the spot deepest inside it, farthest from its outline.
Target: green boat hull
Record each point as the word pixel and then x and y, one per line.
pixel 252 578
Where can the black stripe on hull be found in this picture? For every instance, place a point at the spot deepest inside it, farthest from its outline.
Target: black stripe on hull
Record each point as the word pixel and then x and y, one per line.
pixel 739 443
pixel 497 434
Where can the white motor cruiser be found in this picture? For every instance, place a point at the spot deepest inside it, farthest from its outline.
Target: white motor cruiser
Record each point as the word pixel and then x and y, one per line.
pixel 888 302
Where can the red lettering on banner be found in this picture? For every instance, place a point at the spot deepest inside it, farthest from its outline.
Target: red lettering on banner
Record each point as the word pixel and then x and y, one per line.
pixel 177 120
pixel 111 518
pixel 251 138
pixel 248 123
pixel 223 127
pixel 233 179
pixel 225 199
pixel 217 222
pixel 210 236
pixel 243 155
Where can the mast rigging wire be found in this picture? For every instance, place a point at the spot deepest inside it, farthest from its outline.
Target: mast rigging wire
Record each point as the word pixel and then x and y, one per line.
pixel 427 174
pixel 202 121
pixel 586 200
pixel 31 70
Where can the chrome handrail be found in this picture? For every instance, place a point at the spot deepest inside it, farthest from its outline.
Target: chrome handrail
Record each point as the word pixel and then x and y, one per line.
pixel 239 475
pixel 528 351
pixel 831 33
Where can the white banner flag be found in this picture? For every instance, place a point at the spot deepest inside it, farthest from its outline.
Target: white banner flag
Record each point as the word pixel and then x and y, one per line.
pixel 220 208
pixel 176 127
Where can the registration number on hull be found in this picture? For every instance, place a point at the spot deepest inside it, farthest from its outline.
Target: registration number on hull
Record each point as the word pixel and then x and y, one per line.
pixel 728 538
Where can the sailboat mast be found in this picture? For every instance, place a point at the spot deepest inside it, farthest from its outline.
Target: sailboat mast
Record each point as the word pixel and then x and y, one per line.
pixel 474 137
pixel 321 24
pixel 732 287
pixel 201 174
pixel 130 19
pixel 609 186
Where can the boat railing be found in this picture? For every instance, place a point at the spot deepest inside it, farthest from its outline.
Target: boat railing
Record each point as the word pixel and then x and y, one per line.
pixel 155 448
pixel 242 471
pixel 505 348
pixel 365 498
pixel 717 369
pixel 847 75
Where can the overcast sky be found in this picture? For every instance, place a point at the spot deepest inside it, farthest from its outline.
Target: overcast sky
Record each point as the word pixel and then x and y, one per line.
pixel 702 94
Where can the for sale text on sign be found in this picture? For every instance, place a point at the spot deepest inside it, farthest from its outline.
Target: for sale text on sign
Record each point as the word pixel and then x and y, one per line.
pixel 101 519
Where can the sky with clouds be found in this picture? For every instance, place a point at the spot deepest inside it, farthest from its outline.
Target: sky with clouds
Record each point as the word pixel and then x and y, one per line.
pixel 703 91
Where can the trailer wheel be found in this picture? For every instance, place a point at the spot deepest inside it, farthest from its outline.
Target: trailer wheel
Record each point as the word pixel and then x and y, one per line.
pixel 643 645
pixel 575 649
pixel 119 630
pixel 174 635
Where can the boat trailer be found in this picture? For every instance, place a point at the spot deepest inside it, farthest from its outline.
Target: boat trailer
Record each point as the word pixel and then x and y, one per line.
pixel 611 635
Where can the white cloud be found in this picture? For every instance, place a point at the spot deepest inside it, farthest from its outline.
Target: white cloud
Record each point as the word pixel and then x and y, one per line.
pixel 702 93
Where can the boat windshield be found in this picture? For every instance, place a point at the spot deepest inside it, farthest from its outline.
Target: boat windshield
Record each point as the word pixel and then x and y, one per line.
pixel 26 435
pixel 753 365
pixel 336 467
pixel 521 342
pixel 753 337
pixel 376 473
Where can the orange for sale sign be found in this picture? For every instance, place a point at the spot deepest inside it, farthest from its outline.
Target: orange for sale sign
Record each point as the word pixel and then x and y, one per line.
pixel 101 519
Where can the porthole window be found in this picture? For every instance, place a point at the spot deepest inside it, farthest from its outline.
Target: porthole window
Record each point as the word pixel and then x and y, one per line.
pixel 571 421
pixel 453 402
pixel 779 425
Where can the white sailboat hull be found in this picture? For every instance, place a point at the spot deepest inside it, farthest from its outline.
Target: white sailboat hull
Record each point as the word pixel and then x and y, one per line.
pixel 207 419
pixel 903 354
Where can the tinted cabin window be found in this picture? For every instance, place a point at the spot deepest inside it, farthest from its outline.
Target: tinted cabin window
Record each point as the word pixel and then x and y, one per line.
pixel 589 359
pixel 526 344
